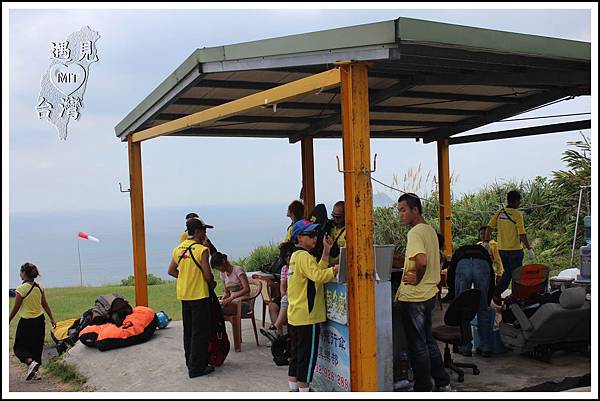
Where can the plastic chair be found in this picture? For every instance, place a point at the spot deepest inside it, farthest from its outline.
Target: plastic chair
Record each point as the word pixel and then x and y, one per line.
pixel 457 328
pixel 236 319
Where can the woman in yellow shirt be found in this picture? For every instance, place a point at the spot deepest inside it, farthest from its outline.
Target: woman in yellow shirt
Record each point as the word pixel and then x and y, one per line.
pixel 31 329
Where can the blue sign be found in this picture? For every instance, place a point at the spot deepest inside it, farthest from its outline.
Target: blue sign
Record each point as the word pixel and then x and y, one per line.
pixel 332 372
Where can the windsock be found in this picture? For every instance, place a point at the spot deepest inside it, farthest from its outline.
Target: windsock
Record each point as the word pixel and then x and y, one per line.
pixel 88 237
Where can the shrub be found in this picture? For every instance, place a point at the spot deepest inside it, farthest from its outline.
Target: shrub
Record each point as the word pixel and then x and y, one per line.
pixel 260 256
pixel 152 280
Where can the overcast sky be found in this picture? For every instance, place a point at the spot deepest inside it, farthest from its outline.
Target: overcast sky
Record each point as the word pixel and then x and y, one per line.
pixel 138 49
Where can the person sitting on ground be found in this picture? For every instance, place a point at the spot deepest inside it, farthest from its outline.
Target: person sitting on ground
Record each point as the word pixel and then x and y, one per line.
pixel 285 252
pixel 185 235
pixel 235 284
pixel 29 338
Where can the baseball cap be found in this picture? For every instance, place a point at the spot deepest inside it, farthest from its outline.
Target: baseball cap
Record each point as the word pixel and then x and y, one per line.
pixel 303 226
pixel 195 223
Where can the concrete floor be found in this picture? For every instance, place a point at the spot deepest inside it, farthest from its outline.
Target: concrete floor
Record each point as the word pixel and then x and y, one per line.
pixel 158 365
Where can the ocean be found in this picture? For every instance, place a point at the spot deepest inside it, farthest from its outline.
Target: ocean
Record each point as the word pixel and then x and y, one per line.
pixel 50 240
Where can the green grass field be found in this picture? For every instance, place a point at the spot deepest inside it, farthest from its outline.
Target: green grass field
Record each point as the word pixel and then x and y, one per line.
pixel 71 302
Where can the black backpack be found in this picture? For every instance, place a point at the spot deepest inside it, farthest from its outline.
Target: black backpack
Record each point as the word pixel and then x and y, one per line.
pixel 110 308
pixel 280 349
pixel 319 216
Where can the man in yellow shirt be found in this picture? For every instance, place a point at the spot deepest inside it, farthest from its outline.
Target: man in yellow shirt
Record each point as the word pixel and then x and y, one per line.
pixel 511 234
pixel 189 264
pixel 206 242
pixel 306 302
pixel 295 212
pixel 417 294
pixel 492 248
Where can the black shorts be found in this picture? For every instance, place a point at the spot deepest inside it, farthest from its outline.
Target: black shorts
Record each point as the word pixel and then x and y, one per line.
pixel 303 351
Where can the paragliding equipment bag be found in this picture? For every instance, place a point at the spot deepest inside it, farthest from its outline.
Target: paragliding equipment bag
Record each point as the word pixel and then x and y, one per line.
pixel 218 342
pixel 319 216
pixel 112 308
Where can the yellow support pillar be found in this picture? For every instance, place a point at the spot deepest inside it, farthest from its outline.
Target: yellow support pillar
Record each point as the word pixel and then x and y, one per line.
pixel 136 195
pixel 358 195
pixel 444 194
pixel 308 175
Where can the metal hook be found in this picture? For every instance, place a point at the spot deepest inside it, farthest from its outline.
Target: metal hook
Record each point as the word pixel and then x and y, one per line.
pixel 351 171
pixel 338 166
pixel 123 190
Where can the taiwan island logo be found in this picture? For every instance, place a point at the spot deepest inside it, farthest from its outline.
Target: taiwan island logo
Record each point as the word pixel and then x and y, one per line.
pixel 63 84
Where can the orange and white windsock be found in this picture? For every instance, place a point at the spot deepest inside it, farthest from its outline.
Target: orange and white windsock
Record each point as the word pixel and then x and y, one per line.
pixel 87 236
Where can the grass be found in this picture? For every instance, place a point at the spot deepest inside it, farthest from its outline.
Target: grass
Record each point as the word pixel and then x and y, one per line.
pixel 67 372
pixel 71 302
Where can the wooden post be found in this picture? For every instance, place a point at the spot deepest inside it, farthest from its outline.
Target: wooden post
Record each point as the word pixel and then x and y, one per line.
pixel 136 195
pixel 444 194
pixel 308 175
pixel 358 196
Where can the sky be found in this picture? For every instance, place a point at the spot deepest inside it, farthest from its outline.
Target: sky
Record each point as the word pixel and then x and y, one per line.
pixel 138 49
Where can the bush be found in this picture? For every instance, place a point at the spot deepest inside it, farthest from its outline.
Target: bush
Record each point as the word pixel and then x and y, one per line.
pixel 260 256
pixel 152 280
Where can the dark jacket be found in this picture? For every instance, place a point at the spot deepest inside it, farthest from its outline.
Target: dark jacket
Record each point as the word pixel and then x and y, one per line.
pixel 475 252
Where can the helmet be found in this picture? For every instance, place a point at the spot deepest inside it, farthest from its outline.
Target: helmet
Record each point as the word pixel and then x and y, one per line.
pixel 163 319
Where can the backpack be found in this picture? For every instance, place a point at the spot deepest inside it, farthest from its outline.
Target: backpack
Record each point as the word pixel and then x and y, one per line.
pixel 275 267
pixel 319 216
pixel 111 308
pixel 218 341
pixel 280 349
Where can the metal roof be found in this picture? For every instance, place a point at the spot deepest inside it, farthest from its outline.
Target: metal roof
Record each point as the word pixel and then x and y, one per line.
pixel 427 80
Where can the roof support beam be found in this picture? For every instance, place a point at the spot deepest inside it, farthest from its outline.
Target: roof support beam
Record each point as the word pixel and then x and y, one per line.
pixel 519 132
pixel 358 195
pixel 335 107
pixel 497 114
pixel 378 97
pixel 249 133
pixel 322 81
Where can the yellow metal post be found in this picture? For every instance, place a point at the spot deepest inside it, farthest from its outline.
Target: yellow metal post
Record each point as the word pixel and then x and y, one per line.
pixel 137 222
pixel 358 195
pixel 308 175
pixel 444 194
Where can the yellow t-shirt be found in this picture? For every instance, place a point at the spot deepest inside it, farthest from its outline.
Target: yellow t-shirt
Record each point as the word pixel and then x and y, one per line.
pixel 422 238
pixel 306 297
pixel 335 231
pixel 288 234
pixel 183 236
pixel 191 284
pixel 508 232
pixel 32 304
pixel 495 256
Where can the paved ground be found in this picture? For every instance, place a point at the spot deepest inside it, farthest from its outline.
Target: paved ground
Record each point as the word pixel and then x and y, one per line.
pixel 158 365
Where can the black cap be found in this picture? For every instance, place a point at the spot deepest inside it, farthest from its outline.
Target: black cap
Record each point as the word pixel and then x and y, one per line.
pixel 195 223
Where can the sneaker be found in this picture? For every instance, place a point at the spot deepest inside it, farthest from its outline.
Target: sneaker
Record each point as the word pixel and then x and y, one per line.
pixel 37 376
pixel 31 369
pixel 443 388
pixel 271 334
pixel 207 370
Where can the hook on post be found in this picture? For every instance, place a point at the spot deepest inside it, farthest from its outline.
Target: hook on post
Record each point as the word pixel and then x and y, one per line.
pixel 123 190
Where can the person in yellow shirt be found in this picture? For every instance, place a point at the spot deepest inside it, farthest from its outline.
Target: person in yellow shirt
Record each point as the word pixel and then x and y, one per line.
pixel 492 248
pixel 295 212
pixel 417 293
pixel 511 234
pixel 31 329
pixel 338 232
pixel 189 265
pixel 206 242
pixel 306 302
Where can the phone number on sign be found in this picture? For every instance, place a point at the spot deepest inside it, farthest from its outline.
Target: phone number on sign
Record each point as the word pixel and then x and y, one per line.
pixel 333 377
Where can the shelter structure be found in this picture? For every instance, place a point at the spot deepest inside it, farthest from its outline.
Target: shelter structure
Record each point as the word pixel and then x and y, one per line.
pixel 404 78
